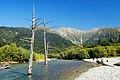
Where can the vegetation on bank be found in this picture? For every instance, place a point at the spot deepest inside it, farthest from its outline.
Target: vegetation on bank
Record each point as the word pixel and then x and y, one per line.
pixel 117 64
pixel 10 52
pixel 13 53
pixel 103 49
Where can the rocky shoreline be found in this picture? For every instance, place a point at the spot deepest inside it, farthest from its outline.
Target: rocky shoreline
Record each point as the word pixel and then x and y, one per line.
pixel 109 72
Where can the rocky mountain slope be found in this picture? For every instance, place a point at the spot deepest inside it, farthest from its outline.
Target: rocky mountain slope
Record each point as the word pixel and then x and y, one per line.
pixel 92 36
pixel 77 37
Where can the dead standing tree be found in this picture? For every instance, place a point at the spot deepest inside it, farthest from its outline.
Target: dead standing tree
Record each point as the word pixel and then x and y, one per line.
pixel 45 41
pixel 32 40
pixel 45 46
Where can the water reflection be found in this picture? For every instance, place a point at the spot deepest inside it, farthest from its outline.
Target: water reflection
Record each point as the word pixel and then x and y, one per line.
pixel 46 72
pixel 29 77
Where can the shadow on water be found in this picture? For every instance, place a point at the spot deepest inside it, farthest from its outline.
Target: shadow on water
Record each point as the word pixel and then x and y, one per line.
pixel 18 76
pixel 46 72
pixel 22 76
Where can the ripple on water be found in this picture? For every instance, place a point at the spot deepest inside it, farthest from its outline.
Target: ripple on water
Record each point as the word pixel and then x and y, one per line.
pixel 55 70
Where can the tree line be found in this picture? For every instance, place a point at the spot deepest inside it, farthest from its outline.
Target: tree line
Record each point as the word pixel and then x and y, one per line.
pixel 10 52
pixel 103 49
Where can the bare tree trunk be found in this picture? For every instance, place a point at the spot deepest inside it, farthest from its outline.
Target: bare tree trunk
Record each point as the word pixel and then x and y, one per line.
pixel 81 40
pixel 32 43
pixel 45 48
pixel 31 54
pixel 45 41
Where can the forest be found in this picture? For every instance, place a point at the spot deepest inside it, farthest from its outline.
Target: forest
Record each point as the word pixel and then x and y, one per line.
pixel 103 49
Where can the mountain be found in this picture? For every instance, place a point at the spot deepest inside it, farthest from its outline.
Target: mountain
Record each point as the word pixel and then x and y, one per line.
pixel 105 34
pixel 57 39
pixel 18 34
pixel 77 37
pixel 92 36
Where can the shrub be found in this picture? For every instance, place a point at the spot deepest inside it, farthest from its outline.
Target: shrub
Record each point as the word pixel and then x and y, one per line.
pixel 17 54
pixel 105 43
pixel 118 51
pixel 38 57
pixel 111 50
pixel 82 54
pixel 97 52
pixel 74 52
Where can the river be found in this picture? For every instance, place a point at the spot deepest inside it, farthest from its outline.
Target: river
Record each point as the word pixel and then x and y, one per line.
pixel 55 70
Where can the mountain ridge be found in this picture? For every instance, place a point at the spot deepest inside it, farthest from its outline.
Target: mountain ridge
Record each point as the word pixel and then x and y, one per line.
pixel 64 36
pixel 75 35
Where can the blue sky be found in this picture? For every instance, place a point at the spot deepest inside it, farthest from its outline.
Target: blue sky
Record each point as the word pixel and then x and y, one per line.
pixel 78 14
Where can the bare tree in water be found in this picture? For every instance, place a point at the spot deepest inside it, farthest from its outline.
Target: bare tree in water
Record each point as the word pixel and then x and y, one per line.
pixel 32 40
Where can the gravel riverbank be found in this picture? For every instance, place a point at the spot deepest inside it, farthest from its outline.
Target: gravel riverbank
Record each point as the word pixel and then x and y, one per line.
pixel 110 72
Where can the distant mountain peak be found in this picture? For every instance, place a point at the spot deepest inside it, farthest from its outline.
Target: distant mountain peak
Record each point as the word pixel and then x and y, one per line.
pixel 80 37
pixel 75 35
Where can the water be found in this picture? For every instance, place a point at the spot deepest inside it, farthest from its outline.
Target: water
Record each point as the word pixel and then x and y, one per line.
pixel 55 70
